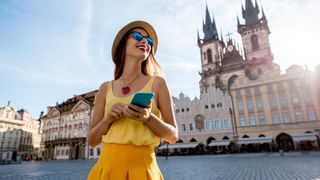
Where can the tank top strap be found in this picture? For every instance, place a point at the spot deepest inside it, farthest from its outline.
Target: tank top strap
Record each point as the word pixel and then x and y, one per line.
pixel 150 84
pixel 109 90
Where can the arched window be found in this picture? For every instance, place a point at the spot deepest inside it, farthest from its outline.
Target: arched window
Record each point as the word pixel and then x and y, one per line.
pixel 209 55
pixel 254 42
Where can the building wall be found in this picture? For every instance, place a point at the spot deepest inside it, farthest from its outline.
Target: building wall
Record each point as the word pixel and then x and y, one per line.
pixel 19 133
pixel 289 104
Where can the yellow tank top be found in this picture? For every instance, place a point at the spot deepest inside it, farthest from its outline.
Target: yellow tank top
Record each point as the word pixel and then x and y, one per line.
pixel 129 131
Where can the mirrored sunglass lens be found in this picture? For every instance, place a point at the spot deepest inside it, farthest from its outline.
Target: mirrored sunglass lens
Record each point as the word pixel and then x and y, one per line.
pixel 137 36
pixel 150 41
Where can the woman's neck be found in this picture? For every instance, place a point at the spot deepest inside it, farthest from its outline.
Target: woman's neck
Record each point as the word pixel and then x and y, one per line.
pixel 131 69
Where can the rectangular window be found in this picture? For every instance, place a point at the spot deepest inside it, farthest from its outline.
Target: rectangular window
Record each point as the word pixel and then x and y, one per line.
pixel 212 106
pixel 183 128
pixel 91 152
pixel 295 99
pixel 182 110
pixel 62 152
pixel 257 90
pixel 298 116
pixel 177 110
pixel 307 97
pixel 272 101
pixel 191 127
pixel 270 88
pixel 275 118
pixel 67 152
pixel 242 121
pixel 312 115
pixel 206 106
pixel 283 99
pixel 250 104
pixel 252 119
pixel 248 91
pixel 226 123
pixel 58 152
pixel 208 125
pixel 286 116
pixel 188 109
pixel 259 103
pixel 262 120
pixel 238 93
pixel 217 124
pixel 240 105
pixel 219 105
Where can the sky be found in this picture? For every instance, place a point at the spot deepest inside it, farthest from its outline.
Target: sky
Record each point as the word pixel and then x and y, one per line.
pixel 53 50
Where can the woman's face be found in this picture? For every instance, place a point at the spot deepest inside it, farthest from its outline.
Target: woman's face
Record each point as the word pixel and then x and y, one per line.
pixel 138 49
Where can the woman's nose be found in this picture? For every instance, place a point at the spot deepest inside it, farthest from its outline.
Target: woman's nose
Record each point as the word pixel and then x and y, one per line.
pixel 144 40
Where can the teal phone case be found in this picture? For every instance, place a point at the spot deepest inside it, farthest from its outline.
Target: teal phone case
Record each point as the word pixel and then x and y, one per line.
pixel 142 99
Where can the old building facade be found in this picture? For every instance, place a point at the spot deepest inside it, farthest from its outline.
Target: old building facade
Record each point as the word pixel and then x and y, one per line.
pixel 245 103
pixel 19 135
pixel 64 129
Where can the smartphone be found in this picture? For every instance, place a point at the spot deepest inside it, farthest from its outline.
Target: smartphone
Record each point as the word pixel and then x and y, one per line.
pixel 142 99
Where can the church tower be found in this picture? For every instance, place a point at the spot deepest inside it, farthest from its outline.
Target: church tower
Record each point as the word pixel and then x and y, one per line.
pixel 211 49
pixel 255 38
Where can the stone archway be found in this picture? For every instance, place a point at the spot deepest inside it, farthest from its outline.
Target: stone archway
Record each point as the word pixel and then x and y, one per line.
pixel 193 140
pixel 210 139
pixel 285 142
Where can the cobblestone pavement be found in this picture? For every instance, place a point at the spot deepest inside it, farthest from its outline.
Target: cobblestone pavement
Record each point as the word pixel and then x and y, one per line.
pixel 255 166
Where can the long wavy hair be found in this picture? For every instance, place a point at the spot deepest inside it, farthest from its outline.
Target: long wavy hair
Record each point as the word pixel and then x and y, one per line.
pixel 149 66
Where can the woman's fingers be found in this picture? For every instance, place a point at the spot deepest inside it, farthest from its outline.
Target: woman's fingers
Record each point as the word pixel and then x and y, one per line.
pixel 136 108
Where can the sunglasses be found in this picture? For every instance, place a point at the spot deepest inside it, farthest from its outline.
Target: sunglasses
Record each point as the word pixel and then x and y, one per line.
pixel 138 36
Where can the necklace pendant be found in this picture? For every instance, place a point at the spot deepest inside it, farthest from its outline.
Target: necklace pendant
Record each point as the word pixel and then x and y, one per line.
pixel 125 90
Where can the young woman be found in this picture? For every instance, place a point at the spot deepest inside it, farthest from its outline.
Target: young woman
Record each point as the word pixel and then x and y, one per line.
pixel 129 133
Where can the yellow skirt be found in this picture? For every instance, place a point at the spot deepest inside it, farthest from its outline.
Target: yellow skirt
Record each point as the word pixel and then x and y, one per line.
pixel 126 162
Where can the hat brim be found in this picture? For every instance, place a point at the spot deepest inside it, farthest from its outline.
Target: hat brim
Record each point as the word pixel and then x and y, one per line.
pixel 135 24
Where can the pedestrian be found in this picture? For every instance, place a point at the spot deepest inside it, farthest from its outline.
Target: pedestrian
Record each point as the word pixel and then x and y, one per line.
pixel 127 132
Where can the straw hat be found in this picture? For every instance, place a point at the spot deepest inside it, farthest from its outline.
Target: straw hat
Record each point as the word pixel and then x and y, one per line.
pixel 135 24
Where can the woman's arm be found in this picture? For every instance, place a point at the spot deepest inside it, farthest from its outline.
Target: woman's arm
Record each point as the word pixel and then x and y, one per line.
pixel 99 123
pixel 166 128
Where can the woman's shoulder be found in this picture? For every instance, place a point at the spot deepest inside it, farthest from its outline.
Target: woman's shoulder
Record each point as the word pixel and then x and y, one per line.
pixel 104 87
pixel 159 82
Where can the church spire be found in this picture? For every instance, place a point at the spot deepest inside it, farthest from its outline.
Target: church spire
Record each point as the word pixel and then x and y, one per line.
pixel 208 19
pixel 209 27
pixel 198 40
pixel 250 14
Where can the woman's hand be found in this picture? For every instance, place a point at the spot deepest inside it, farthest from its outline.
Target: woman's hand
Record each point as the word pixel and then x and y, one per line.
pixel 116 112
pixel 138 113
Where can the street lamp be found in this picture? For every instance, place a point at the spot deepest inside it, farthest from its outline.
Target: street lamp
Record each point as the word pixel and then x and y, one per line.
pixel 232 114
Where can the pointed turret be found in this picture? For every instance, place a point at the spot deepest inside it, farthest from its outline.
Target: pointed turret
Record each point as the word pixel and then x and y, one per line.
pixel 209 27
pixel 250 14
pixel 249 4
pixel 238 21
pixel 198 40
pixel 208 19
pixel 214 27
pixel 263 15
pixel 222 40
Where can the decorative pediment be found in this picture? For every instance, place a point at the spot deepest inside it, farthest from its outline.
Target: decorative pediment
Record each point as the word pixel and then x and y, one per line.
pixel 80 106
pixel 54 112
